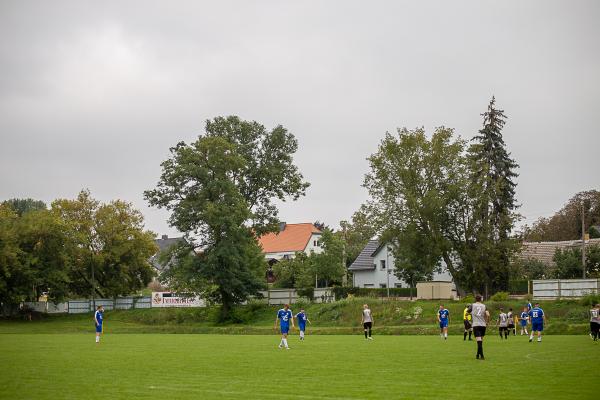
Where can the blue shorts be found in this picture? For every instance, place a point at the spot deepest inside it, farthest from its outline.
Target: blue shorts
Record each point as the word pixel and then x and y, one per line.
pixel 99 328
pixel 285 329
pixel 443 324
pixel 537 326
pixel 302 327
pixel 524 323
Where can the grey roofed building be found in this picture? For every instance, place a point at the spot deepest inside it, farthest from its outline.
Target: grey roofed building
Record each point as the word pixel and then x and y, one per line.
pixel 164 244
pixel 365 258
pixel 374 268
pixel 544 251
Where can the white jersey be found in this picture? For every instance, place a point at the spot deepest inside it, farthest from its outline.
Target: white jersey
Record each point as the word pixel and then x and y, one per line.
pixel 595 315
pixel 367 315
pixel 478 314
pixel 503 319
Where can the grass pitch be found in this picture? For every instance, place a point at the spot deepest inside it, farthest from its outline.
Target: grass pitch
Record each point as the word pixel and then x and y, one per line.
pixel 143 366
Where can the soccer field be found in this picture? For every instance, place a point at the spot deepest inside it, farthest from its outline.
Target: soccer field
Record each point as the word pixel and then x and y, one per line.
pixel 163 366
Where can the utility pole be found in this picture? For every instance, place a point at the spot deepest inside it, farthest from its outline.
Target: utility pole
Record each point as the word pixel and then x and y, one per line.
pixel 583 237
pixel 345 276
pixel 387 269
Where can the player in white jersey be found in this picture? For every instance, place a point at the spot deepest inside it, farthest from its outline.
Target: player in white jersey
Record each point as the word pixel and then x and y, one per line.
pixel 502 323
pixel 595 322
pixel 481 317
pixel 367 321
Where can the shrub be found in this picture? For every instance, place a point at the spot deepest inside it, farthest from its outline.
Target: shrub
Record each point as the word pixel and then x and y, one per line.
pixel 590 299
pixel 469 299
pixel 500 296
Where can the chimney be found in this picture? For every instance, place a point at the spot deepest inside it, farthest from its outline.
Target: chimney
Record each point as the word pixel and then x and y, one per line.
pixel 165 237
pixel 282 226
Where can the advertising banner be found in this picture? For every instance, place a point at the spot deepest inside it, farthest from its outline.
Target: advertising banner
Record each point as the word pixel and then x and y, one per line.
pixel 170 299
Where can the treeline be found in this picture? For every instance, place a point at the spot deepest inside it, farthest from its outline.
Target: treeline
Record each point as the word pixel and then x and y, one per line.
pixel 566 223
pixel 72 248
pixel 440 200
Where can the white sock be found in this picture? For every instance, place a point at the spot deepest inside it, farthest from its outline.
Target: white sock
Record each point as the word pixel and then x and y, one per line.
pixel 97 339
pixel 445 335
pixel 284 342
pixel 531 336
pixel 302 334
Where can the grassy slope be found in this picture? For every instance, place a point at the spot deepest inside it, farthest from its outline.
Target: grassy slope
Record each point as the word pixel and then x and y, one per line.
pixel 343 317
pixel 71 366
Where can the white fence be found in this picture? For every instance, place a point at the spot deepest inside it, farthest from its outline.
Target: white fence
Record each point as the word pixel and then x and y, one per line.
pixel 290 296
pixel 549 289
pixel 167 299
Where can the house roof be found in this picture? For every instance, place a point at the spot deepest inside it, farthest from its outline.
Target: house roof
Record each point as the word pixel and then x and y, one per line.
pixel 544 251
pixel 164 243
pixel 364 261
pixel 293 237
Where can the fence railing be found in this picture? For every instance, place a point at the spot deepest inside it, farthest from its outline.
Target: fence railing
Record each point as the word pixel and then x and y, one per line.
pixel 564 288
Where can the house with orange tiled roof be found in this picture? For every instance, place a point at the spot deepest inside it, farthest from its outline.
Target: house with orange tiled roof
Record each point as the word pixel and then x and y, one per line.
pixel 290 239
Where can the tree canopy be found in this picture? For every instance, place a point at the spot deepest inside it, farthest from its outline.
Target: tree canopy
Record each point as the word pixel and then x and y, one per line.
pixel 221 190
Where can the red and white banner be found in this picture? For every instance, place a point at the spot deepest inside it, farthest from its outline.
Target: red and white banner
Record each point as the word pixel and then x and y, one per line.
pixel 170 299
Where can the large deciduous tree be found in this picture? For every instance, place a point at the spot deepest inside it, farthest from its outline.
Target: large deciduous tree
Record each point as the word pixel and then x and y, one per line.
pixel 221 190
pixel 110 250
pixel 415 185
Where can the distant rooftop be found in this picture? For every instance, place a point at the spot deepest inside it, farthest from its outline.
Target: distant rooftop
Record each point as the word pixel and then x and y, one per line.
pixel 290 238
pixel 364 260
pixel 544 251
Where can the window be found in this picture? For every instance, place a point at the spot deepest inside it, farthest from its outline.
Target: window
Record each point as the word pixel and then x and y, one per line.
pixel 398 285
pixel 382 264
pixel 369 285
pixel 382 285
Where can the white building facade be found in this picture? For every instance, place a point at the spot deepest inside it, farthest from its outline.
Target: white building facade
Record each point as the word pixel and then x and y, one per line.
pixel 374 268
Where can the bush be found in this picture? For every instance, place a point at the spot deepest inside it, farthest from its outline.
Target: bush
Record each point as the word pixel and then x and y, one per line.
pixel 469 299
pixel 343 292
pixel 500 296
pixel 590 299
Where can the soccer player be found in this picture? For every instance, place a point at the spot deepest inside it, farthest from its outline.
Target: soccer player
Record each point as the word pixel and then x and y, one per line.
pixel 538 318
pixel 284 316
pixel 511 322
pixel 524 318
pixel 443 317
pixel 98 317
pixel 467 322
pixel 481 317
pixel 367 321
pixel 595 322
pixel 302 320
pixel 503 322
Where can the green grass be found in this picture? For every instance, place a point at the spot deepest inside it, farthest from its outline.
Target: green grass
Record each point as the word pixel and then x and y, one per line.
pixel 342 317
pixel 134 366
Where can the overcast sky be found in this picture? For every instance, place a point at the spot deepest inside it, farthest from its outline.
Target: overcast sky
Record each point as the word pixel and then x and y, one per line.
pixel 93 94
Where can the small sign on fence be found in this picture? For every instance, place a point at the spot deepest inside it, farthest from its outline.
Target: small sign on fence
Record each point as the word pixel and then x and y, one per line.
pixel 170 299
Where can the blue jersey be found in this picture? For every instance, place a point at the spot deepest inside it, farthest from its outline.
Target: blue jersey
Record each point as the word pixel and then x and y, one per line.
pixel 284 317
pixel 301 319
pixel 443 315
pixel 537 315
pixel 529 307
pixel 524 316
pixel 99 317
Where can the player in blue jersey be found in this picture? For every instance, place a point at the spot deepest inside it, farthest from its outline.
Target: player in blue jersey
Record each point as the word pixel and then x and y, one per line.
pixel 302 320
pixel 523 321
pixel 443 317
pixel 98 318
pixel 538 318
pixel 284 316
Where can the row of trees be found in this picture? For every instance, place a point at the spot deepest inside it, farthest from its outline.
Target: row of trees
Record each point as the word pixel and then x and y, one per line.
pixel 566 223
pixel 445 199
pixel 72 248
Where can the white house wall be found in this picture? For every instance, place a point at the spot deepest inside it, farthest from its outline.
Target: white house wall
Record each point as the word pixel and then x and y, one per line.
pixel 377 277
pixel 312 246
